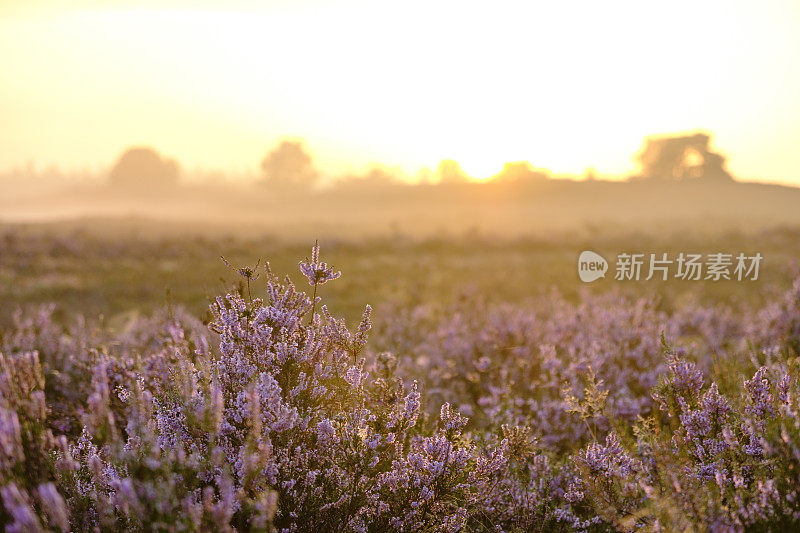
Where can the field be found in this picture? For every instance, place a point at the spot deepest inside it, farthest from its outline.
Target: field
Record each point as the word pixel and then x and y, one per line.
pixel 120 269
pixel 485 389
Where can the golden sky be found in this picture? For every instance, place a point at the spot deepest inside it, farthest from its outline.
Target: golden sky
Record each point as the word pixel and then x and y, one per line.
pixel 566 85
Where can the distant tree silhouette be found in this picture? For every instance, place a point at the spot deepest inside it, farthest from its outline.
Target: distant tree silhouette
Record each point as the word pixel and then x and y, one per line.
pixel 289 166
pixel 450 171
pixel 681 157
pixel 518 172
pixel 143 168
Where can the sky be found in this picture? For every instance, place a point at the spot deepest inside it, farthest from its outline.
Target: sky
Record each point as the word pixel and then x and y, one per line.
pixel 565 85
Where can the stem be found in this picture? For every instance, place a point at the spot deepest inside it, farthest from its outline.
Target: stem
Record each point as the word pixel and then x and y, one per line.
pixel 314 305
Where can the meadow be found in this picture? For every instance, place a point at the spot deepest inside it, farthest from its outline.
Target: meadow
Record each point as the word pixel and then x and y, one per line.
pixel 122 268
pixel 451 383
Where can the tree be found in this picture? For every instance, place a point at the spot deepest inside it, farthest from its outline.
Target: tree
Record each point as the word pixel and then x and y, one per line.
pixel 519 172
pixel 289 166
pixel 143 168
pixel 681 157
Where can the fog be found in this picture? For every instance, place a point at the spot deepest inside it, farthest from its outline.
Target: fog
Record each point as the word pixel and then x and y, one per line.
pixel 680 183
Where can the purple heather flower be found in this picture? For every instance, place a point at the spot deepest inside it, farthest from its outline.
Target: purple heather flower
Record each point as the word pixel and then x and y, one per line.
pixel 758 388
pixel 315 271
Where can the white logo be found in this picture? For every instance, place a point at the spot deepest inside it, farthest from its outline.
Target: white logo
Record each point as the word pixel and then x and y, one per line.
pixel 591 266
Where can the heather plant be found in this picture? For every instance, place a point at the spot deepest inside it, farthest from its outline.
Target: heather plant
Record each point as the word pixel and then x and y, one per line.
pixel 516 364
pixel 281 427
pixel 703 460
pixel 612 413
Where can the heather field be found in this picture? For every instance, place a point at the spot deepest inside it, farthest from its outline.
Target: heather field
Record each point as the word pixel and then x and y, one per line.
pixel 340 266
pixel 459 383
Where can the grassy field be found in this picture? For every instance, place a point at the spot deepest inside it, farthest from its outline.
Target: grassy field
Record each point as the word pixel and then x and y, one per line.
pixel 124 268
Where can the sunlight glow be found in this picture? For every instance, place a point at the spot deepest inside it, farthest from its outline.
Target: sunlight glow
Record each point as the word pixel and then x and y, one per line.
pixel 565 85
